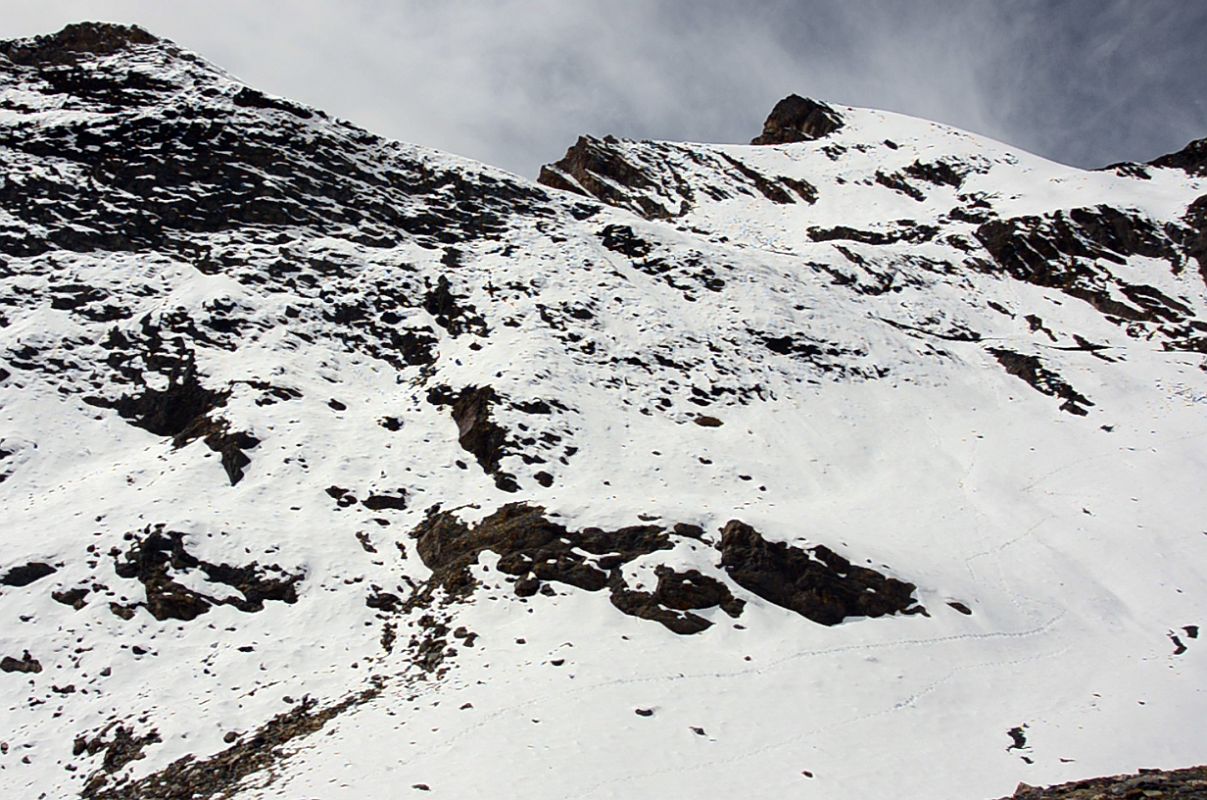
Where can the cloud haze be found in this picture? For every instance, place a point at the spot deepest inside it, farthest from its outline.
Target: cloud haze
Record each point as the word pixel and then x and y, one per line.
pixel 513 82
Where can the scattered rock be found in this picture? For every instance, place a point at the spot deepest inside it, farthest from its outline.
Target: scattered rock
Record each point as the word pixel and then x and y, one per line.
pixel 120 749
pixel 940 173
pixel 621 239
pixel 183 410
pixel 452 312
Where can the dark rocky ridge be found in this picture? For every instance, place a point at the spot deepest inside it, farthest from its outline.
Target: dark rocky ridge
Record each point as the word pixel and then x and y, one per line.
pixel 595 168
pixel 643 180
pixel 1191 159
pixel 477 432
pixel 73 42
pixel 1066 250
pixel 202 169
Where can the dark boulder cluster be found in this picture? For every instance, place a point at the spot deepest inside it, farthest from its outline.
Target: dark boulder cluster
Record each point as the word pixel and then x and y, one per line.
pixel 535 551
pixel 816 583
pixel 155 555
pixel 675 596
pixel 26 663
pixel 480 434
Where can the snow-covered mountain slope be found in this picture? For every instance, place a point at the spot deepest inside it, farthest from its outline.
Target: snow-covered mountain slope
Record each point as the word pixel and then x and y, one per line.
pixel 864 461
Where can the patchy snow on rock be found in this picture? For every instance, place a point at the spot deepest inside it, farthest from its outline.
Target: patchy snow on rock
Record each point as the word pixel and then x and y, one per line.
pixel 355 469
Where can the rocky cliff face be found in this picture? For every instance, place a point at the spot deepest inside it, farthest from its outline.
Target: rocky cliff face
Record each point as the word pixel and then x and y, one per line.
pixel 330 464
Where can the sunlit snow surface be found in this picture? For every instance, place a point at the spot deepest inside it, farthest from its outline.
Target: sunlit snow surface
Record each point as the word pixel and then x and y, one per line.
pixel 1079 549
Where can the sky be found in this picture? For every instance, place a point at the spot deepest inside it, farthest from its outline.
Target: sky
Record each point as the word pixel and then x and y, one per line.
pixel 515 82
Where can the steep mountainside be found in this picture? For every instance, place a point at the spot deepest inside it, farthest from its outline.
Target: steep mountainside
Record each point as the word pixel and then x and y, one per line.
pixel 864 460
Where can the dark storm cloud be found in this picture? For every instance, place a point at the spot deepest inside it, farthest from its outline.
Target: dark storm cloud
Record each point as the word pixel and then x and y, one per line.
pixel 513 82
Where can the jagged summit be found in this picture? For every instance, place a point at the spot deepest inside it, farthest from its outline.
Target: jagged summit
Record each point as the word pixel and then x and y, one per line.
pixel 798 119
pixel 74 42
pixel 331 466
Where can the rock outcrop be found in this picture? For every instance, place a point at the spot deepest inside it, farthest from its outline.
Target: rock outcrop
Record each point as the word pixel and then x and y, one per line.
pixel 1149 784
pixel 798 119
pixel 816 582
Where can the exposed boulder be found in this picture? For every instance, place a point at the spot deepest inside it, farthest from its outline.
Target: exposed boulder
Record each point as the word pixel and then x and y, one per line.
pixel 530 546
pixel 25 574
pixel 26 663
pixel 816 583
pixel 798 119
